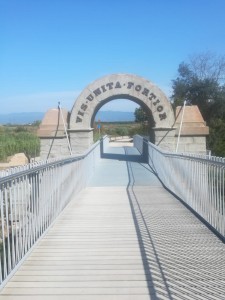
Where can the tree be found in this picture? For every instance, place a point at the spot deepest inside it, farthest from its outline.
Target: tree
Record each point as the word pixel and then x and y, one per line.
pixel 36 123
pixel 216 140
pixel 208 65
pixel 201 82
pixel 140 115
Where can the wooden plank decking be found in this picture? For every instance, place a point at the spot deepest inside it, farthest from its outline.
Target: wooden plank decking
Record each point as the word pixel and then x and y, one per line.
pixel 127 240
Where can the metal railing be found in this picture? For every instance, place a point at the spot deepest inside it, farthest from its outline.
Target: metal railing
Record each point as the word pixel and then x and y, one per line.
pixel 198 180
pixel 31 197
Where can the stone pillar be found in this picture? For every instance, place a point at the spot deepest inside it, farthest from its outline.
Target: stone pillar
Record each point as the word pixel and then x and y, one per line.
pixel 54 147
pixel 165 138
pixel 52 135
pixel 193 131
pixel 81 139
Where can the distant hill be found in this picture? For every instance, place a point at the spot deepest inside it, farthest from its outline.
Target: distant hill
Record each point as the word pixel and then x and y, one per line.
pixel 21 118
pixel 30 117
pixel 115 116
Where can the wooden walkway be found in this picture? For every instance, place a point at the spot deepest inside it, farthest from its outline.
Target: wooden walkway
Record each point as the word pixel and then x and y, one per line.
pixel 123 238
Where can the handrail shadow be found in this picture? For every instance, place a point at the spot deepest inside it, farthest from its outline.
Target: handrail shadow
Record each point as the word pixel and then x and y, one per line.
pixel 123 157
pixel 144 236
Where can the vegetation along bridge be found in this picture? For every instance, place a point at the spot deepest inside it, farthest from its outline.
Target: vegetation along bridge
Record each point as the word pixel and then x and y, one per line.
pixel 125 222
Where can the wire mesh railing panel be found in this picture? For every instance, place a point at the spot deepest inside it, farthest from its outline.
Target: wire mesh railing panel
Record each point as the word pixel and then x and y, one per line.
pixel 198 180
pixel 31 197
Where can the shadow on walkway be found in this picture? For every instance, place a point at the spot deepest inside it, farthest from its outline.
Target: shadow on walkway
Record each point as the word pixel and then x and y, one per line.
pixel 123 157
pixel 146 243
pixel 140 158
pixel 150 258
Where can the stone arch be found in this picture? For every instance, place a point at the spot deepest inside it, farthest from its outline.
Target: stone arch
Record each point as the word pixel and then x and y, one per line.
pixel 119 86
pixel 125 86
pixel 102 103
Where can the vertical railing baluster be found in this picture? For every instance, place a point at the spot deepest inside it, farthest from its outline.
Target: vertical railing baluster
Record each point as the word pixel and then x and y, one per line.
pixel 17 217
pixel 3 250
pixel 12 240
pixel 7 229
pixel 197 179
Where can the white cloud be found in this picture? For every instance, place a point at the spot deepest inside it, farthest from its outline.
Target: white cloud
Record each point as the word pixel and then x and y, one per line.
pixel 39 102
pixel 120 105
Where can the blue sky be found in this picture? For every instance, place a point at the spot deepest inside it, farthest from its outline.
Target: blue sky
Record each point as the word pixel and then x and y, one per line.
pixel 50 50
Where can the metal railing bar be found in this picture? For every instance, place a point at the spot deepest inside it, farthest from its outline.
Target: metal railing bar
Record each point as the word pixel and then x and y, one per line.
pixel 198 181
pixel 36 167
pixel 31 198
pixel 214 160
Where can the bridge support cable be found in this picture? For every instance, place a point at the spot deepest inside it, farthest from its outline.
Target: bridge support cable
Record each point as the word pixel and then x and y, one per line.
pixel 65 129
pixel 181 123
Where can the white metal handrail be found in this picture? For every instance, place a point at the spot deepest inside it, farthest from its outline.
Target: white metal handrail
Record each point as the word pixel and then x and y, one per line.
pixel 32 196
pixel 198 180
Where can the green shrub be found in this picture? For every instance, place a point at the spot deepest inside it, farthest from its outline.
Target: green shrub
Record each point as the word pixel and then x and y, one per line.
pixel 18 141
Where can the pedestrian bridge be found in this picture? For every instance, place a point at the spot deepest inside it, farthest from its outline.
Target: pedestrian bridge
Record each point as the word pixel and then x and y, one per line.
pixel 121 222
